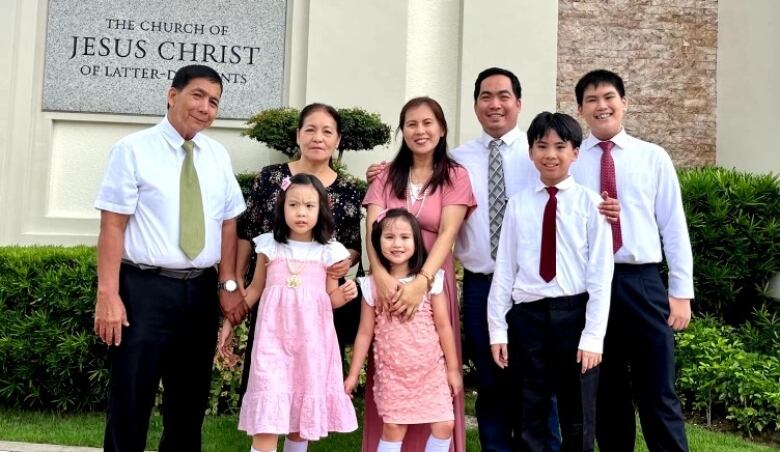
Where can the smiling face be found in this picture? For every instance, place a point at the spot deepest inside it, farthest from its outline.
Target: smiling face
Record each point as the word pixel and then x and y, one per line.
pixel 397 242
pixel 421 130
pixel 497 106
pixel 552 157
pixel 318 137
pixel 603 109
pixel 301 210
pixel 193 108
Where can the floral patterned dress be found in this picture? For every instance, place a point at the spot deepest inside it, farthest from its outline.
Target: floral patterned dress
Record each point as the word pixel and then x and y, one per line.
pixel 345 200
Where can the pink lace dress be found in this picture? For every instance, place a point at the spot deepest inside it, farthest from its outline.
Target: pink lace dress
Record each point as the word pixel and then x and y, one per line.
pixel 296 378
pixel 410 383
pixel 428 213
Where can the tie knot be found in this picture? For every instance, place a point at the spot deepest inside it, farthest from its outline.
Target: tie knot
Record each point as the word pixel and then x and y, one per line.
pixel 495 143
pixel 552 191
pixel 188 145
pixel 606 146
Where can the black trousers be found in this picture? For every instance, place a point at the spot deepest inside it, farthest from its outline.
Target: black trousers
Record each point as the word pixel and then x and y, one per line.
pixel 543 338
pixel 172 337
pixel 639 366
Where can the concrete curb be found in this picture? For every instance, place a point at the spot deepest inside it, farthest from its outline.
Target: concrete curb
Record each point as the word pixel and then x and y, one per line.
pixel 12 446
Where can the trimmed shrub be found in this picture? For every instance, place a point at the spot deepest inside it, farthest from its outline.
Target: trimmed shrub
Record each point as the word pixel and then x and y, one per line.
pixel 734 222
pixel 276 127
pixel 49 356
pixel 717 377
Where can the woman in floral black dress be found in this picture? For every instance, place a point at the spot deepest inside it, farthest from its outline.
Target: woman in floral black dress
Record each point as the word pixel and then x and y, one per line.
pixel 319 132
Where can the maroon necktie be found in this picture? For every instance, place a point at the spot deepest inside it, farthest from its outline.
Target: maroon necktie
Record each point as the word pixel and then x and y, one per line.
pixel 609 185
pixel 547 259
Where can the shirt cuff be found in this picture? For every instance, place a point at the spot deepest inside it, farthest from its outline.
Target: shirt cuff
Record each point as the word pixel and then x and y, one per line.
pixel 498 337
pixel 680 289
pixel 592 345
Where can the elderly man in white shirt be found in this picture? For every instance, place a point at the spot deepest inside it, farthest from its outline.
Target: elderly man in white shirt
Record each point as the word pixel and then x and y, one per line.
pixel 168 205
pixel 639 345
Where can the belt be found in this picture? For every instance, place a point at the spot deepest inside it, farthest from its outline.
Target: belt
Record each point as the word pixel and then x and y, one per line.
pixel 176 273
pixel 488 276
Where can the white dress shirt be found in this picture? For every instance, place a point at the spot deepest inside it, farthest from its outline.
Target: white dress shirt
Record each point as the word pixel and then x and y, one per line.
pixel 472 246
pixel 650 203
pixel 583 258
pixel 142 180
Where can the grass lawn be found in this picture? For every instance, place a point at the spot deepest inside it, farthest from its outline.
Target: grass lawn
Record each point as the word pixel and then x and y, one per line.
pixel 220 434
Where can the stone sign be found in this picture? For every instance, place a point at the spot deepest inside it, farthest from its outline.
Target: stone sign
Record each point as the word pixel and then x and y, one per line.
pixel 109 56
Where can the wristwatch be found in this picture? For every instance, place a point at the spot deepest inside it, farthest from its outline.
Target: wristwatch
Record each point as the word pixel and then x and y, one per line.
pixel 229 286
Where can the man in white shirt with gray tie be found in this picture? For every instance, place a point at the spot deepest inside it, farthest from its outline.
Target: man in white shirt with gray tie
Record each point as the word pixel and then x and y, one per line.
pixel 639 344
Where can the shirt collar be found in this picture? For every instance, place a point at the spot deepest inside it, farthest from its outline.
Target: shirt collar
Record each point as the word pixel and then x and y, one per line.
pixel 620 140
pixel 172 136
pixel 563 185
pixel 508 138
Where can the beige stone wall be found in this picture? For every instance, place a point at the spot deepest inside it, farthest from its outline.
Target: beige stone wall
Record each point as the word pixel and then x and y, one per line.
pixel 666 52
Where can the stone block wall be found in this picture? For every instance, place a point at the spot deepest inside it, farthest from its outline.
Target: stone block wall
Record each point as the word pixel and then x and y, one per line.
pixel 666 52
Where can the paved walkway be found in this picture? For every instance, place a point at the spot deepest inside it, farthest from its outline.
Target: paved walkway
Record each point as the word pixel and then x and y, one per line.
pixel 10 446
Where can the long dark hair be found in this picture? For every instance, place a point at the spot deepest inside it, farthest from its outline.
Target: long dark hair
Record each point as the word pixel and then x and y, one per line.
pixel 420 254
pixel 398 176
pixel 323 230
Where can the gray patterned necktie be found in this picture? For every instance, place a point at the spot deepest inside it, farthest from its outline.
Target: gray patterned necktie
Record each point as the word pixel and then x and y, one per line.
pixel 496 194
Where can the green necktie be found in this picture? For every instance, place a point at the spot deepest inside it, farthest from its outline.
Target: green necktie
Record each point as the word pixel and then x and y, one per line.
pixel 192 229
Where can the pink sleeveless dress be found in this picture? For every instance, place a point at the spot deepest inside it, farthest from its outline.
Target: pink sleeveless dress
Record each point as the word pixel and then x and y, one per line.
pixel 410 383
pixel 429 216
pixel 296 378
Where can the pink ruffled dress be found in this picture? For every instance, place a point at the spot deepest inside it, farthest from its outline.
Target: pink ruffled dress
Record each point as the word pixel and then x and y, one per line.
pixel 428 213
pixel 296 378
pixel 410 383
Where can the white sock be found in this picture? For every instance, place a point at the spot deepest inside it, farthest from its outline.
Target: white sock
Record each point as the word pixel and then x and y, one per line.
pixel 437 445
pixel 252 449
pixel 389 446
pixel 295 446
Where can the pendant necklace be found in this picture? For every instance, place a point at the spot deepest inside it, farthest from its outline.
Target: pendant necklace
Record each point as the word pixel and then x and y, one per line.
pixel 294 281
pixel 410 198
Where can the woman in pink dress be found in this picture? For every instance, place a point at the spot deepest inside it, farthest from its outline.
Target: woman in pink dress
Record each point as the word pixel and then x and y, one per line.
pixel 424 180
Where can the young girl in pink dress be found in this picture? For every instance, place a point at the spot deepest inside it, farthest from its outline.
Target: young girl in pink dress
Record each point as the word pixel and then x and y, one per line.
pixel 416 361
pixel 295 384
pixel 437 191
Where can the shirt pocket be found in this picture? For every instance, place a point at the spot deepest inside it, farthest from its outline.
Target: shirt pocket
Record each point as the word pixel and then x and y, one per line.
pixel 637 187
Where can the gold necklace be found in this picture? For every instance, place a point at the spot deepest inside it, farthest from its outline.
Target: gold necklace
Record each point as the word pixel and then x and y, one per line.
pixel 294 281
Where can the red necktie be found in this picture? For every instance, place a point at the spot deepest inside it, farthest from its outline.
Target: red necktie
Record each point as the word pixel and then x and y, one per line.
pixel 609 185
pixel 547 259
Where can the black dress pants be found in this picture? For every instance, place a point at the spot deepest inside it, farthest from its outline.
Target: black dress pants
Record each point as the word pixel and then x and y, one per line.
pixel 172 337
pixel 543 339
pixel 639 366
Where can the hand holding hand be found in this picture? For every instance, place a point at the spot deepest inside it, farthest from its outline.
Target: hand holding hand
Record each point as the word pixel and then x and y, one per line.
pixel 500 355
pixel 588 359
pixel 409 299
pixel 233 306
pixel 339 269
pixel 349 290
pixel 110 317
pixel 226 344
pixel 387 291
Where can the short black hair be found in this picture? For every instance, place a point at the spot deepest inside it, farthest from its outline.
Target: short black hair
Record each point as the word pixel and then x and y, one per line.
pixel 596 78
pixel 489 72
pixel 420 254
pixel 186 74
pixel 326 225
pixel 564 125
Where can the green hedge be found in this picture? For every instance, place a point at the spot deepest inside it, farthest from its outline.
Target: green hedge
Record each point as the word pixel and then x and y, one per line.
pixel 50 358
pixel 719 377
pixel 734 222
